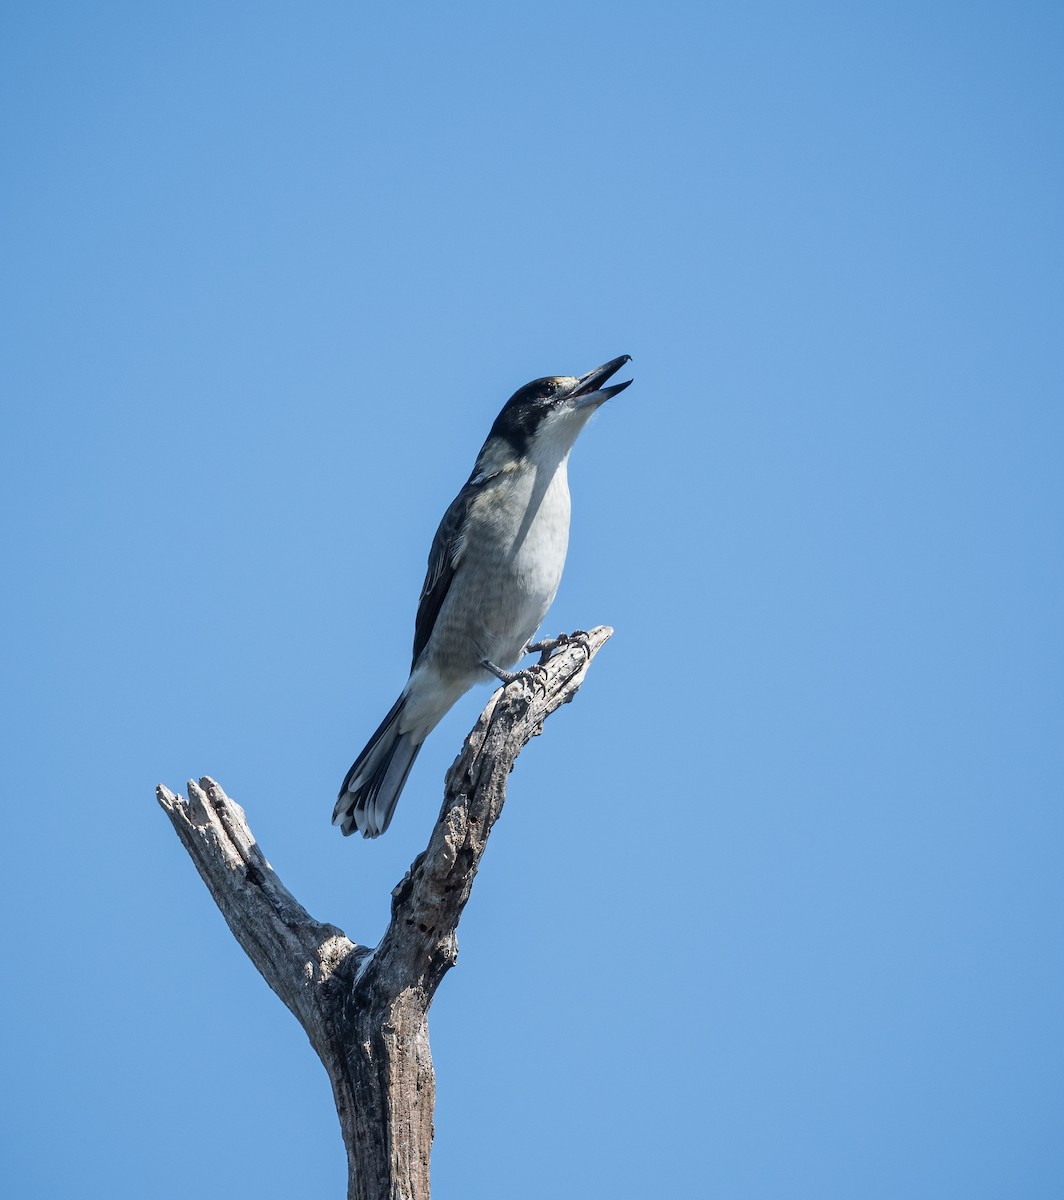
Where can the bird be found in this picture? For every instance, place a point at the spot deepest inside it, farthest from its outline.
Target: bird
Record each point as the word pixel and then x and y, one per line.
pixel 493 571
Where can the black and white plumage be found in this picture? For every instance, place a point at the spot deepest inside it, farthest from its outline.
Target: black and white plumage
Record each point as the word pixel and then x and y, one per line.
pixel 493 571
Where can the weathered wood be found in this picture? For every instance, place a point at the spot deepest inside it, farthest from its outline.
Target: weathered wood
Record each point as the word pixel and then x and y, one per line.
pixel 366 1011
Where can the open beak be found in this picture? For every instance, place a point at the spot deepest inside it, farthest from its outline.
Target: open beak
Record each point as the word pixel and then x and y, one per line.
pixel 589 389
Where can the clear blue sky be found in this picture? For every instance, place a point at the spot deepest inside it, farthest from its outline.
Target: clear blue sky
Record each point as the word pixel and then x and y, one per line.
pixel 775 908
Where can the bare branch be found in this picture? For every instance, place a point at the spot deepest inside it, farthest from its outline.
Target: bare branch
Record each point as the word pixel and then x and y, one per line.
pixel 366 1012
pixel 292 951
pixel 419 944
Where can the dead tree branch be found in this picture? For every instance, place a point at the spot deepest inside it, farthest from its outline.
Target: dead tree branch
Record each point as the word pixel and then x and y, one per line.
pixel 366 1011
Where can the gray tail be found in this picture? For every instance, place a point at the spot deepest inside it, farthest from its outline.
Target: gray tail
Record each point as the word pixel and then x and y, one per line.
pixel 371 788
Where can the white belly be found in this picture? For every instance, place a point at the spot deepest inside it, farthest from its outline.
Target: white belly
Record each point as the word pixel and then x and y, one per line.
pixel 509 573
pixel 536 571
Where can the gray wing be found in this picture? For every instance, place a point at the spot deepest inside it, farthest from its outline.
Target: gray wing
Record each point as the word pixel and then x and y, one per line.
pixel 444 557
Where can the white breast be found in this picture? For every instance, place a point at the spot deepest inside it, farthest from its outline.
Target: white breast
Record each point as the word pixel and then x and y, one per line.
pixel 512 562
pixel 540 549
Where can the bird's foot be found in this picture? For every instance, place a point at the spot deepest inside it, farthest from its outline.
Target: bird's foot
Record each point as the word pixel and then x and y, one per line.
pixel 498 672
pixel 546 646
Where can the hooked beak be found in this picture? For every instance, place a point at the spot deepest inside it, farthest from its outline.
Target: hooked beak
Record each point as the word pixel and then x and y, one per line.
pixel 588 388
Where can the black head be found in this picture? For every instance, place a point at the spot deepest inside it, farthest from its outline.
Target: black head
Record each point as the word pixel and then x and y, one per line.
pixel 562 400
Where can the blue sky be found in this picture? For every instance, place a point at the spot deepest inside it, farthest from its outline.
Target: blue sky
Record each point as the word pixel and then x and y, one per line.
pixel 775 907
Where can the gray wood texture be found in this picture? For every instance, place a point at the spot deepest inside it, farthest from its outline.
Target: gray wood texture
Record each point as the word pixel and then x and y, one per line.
pixel 366 1010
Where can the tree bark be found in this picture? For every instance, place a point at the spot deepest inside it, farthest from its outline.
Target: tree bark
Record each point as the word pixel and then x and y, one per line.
pixel 366 1011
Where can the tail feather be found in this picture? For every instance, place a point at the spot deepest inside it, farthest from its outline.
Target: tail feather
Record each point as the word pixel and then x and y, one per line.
pixel 371 788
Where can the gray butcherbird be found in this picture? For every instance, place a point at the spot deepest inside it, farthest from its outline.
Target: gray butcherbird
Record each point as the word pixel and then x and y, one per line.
pixel 494 568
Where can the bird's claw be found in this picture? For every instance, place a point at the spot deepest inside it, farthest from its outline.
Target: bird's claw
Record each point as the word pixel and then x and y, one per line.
pixel 535 672
pixel 546 646
pixel 498 672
